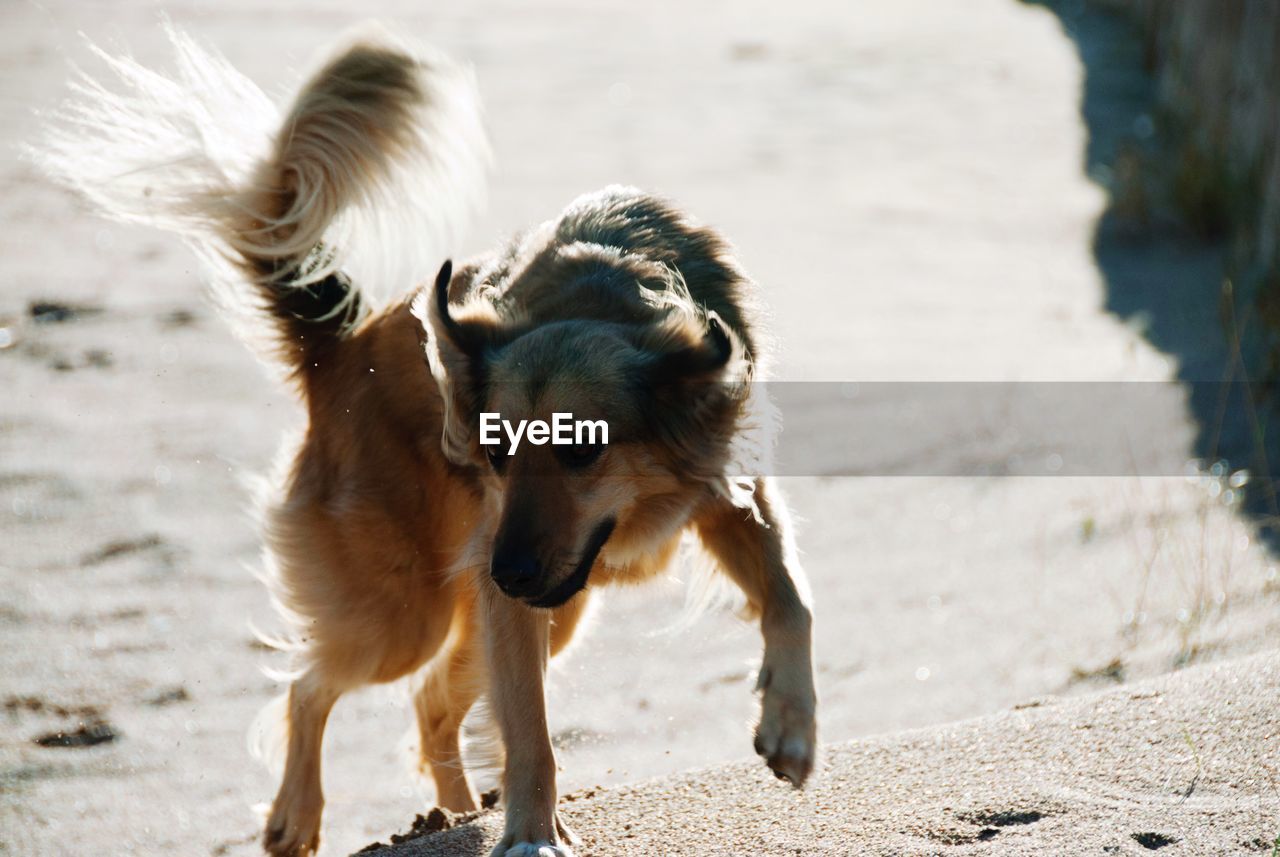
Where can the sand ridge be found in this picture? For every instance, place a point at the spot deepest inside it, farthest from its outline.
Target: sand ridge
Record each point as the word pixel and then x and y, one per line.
pixel 1189 760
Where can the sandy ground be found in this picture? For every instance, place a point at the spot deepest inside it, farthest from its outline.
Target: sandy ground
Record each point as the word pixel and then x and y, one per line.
pixel 1185 762
pixel 905 181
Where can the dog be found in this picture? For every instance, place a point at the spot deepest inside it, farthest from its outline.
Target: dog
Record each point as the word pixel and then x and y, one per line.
pixel 398 543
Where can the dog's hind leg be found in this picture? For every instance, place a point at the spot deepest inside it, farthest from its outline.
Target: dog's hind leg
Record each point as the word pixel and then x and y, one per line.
pixel 293 829
pixel 758 554
pixel 452 685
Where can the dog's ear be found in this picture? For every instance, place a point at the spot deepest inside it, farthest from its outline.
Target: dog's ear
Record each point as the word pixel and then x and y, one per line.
pixel 697 379
pixel 458 348
pixel 698 359
pixel 468 338
pixel 683 353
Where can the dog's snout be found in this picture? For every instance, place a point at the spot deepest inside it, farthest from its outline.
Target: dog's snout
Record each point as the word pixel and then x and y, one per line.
pixel 517 574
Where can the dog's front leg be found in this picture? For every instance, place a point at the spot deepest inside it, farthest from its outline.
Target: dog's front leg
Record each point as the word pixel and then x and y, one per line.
pixel 757 552
pixel 517 644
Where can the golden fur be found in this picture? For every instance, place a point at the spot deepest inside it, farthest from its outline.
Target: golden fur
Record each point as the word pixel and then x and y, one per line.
pixel 396 540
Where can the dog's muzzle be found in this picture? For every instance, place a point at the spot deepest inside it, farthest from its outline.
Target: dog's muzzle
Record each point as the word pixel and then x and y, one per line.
pixel 516 575
pixel 521 576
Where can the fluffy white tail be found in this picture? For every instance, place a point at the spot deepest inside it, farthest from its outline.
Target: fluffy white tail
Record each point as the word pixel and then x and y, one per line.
pixel 369 177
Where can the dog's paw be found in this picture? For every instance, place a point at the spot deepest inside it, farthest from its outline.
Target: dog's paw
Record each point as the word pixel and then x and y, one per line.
pixel 520 844
pixel 293 829
pixel 787 737
pixel 532 849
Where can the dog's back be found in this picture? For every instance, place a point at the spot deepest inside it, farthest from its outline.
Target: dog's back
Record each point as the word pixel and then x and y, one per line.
pixel 617 255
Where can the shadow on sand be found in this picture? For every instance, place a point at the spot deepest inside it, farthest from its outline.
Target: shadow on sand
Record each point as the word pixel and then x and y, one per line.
pixel 1161 277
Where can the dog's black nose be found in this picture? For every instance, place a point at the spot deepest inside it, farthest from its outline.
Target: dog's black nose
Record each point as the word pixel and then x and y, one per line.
pixel 516 574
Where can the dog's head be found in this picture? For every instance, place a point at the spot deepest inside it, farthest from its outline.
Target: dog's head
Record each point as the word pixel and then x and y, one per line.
pixel 666 386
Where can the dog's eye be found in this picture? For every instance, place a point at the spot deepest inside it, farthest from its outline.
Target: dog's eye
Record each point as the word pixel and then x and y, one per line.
pixel 497 457
pixel 581 454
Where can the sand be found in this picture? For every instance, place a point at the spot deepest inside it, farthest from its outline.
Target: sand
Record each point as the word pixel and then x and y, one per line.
pixel 1185 762
pixel 906 182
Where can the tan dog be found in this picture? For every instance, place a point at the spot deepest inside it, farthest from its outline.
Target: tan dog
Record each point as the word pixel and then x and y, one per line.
pixel 397 539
